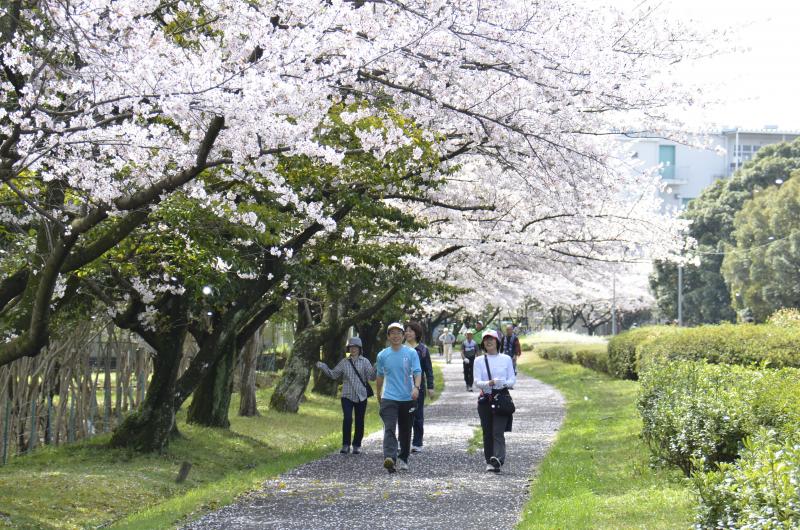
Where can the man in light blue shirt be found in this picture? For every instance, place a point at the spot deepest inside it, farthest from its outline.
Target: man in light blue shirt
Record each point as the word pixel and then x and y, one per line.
pixel 399 376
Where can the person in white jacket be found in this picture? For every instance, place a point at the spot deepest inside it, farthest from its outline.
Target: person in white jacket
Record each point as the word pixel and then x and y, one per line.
pixel 494 426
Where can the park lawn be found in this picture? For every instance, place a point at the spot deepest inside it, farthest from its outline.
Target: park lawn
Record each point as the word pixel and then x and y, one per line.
pixel 86 484
pixel 597 474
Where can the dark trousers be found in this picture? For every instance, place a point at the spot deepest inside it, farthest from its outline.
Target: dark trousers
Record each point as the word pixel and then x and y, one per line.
pixel 494 433
pixel 468 370
pixel 396 416
pixel 418 427
pixel 347 421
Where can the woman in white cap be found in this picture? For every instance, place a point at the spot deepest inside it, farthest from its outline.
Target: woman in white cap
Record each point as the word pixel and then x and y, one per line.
pixel 494 376
pixel 356 371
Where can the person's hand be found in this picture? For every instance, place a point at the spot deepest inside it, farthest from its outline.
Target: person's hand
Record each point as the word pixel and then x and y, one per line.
pixel 491 382
pixel 430 393
pixel 320 364
pixel 466 361
pixel 415 393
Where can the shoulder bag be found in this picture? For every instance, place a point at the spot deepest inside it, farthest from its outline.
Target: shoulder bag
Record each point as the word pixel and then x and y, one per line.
pixel 502 404
pixel 370 393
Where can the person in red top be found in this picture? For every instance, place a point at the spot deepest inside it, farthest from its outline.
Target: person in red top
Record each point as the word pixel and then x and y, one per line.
pixel 510 345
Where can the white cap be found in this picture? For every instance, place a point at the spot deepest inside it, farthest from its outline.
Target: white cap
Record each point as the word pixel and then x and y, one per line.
pixel 491 333
pixel 397 325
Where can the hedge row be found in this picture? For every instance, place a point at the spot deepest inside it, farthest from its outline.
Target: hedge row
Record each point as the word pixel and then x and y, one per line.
pixel 721 424
pixel 595 358
pixel 748 345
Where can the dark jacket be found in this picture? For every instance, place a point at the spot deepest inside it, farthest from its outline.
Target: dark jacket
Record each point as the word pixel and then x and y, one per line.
pixel 426 365
pixel 514 345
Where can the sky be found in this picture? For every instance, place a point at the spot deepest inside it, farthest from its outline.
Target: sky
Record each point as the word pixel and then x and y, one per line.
pixel 758 81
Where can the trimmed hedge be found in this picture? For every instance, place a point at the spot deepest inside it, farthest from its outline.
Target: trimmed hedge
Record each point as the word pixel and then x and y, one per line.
pixel 595 358
pixel 697 414
pixel 747 345
pixel 622 349
pixel 760 490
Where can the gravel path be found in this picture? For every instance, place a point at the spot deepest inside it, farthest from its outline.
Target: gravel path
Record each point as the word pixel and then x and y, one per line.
pixel 446 487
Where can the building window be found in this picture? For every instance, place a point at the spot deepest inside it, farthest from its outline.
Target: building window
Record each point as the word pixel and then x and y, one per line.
pixel 685 202
pixel 666 158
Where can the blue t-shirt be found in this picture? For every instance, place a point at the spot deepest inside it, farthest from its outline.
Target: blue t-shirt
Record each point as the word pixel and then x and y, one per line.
pixel 398 369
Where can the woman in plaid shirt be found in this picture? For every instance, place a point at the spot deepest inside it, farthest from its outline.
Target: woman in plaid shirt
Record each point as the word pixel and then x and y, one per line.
pixel 354 392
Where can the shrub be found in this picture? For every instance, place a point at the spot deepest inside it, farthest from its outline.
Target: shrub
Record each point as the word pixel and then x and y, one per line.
pixel 622 349
pixel 760 490
pixel 747 345
pixel 693 412
pixel 788 317
pixel 594 357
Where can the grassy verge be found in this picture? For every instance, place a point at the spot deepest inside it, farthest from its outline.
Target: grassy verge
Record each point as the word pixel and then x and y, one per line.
pixel 597 474
pixel 87 485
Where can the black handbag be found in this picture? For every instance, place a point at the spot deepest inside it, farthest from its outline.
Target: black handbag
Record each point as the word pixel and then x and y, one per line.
pixel 370 393
pixel 502 404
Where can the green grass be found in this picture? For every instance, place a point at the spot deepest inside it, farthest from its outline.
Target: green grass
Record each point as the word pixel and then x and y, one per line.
pixel 86 485
pixel 597 474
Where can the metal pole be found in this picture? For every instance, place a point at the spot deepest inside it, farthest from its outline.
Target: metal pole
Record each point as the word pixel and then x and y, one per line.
pixel 614 303
pixel 680 295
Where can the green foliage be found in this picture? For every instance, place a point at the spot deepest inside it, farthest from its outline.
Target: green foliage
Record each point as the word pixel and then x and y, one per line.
pixel 693 413
pixel 707 298
pixel 760 490
pixel 761 267
pixel 622 349
pixel 697 414
pixel 743 344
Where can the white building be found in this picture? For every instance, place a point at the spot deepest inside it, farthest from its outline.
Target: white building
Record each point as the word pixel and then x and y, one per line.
pixel 686 171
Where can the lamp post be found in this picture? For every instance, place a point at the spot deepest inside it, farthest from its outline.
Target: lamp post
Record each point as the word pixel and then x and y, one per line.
pixel 680 295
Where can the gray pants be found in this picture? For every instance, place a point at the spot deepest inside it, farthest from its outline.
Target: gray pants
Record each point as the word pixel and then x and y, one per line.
pixel 396 416
pixel 494 433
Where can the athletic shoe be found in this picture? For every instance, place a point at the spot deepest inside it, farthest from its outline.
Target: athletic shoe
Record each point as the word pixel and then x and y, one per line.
pixel 402 465
pixel 490 467
pixel 388 463
pixel 495 462
pixel 416 448
pixel 345 449
pixel 356 450
pixel 469 388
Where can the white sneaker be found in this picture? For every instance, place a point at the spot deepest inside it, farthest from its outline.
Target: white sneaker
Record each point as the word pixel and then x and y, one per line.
pixel 490 468
pixel 402 465
pixel 416 449
pixel 495 463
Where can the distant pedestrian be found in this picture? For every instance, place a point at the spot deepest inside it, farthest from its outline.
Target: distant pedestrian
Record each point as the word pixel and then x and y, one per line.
pixel 469 350
pixel 502 378
pixel 479 331
pixel 356 371
pixel 509 344
pixel 398 382
pixel 414 334
pixel 447 339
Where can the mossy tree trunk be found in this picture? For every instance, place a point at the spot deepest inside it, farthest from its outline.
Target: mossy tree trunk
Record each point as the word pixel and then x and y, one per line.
pixel 247 387
pixel 150 428
pixel 212 398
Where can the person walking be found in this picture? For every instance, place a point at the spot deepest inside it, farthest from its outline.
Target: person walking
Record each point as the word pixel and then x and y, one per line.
pixel 447 339
pixel 469 350
pixel 414 334
pixel 494 375
pixel 509 344
pixel 355 371
pixel 398 382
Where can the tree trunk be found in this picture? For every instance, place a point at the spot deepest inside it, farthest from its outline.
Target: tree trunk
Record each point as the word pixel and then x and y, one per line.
pixel 212 398
pixel 148 429
pixel 332 352
pixel 296 374
pixel 247 388
pixel 370 333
